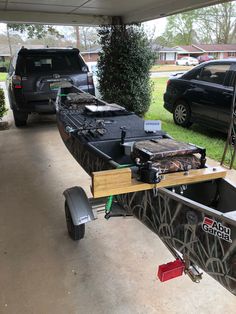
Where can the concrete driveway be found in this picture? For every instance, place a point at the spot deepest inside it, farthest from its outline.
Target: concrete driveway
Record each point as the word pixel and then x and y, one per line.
pixel 112 270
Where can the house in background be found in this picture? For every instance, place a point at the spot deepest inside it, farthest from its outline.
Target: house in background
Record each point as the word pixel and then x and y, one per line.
pixel 164 55
pixel 91 55
pixel 218 51
pixel 4 53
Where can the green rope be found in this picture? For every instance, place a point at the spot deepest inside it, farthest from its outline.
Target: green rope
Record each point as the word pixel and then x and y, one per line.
pixel 111 197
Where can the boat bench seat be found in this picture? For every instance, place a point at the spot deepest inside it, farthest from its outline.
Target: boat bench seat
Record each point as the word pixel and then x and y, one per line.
pixel 169 155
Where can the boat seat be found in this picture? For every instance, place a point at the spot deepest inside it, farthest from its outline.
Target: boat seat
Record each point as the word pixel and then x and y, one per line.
pixel 80 99
pixel 177 163
pixel 168 155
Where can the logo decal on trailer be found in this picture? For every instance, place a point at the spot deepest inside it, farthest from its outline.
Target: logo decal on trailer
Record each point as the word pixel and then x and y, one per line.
pixel 216 229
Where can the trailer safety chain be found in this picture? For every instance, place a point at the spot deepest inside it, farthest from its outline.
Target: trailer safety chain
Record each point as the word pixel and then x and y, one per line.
pixel 191 270
pixel 110 198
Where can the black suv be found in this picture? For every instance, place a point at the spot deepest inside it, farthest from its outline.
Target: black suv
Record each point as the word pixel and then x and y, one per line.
pixel 35 76
pixel 203 95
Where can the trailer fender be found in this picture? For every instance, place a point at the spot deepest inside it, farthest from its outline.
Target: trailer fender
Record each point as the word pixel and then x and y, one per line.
pixel 78 203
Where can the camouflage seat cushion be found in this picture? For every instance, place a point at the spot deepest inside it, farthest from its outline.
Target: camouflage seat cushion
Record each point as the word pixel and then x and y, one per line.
pixel 157 149
pixel 177 163
pixel 80 99
pixel 167 154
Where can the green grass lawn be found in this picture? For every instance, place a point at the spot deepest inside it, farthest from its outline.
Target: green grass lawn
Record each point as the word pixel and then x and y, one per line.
pixel 212 140
pixel 3 77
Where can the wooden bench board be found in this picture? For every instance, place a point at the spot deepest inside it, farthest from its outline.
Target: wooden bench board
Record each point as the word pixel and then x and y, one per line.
pixel 119 181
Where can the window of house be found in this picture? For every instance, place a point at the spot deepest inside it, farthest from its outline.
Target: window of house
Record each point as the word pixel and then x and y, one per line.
pixel 232 54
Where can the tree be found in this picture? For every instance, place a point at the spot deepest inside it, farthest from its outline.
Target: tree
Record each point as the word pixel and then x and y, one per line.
pixel 217 24
pixel 35 30
pixel 3 109
pixel 180 28
pixel 123 67
pixel 211 25
pixel 77 36
pixel 32 31
pixel 86 37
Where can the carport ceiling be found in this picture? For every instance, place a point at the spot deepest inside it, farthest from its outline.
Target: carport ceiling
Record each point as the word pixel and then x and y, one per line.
pixel 93 11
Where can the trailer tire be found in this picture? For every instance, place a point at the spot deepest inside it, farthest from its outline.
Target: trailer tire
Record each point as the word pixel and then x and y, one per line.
pixel 76 232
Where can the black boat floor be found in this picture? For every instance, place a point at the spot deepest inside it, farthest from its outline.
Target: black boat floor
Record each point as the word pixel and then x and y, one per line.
pixel 132 123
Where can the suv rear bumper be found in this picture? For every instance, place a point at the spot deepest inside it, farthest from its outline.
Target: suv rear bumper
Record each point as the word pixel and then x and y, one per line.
pixel 39 102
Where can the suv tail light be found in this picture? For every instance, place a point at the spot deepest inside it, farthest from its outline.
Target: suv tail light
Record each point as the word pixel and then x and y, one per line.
pixel 90 78
pixel 168 83
pixel 16 80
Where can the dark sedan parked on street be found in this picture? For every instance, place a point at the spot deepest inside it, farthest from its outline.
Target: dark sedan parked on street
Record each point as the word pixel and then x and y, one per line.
pixel 203 95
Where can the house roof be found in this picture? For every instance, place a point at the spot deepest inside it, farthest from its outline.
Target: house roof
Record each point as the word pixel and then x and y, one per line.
pixel 159 48
pixel 217 47
pixel 188 49
pixel 91 51
pixel 201 48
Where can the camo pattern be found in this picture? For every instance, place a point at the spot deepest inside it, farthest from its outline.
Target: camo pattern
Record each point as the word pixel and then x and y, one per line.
pixel 179 226
pixel 81 99
pixel 85 157
pixel 177 163
pixel 154 150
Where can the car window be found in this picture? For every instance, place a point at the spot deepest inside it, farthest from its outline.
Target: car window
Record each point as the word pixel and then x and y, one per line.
pixel 215 73
pixel 51 62
pixel 232 79
pixel 193 74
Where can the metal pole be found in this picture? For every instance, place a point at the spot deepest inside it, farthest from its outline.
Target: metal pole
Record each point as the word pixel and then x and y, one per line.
pixel 231 140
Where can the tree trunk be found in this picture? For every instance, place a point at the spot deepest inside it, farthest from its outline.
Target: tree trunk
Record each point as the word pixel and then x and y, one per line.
pixel 9 41
pixel 77 36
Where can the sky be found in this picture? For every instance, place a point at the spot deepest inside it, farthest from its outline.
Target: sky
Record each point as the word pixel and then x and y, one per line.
pixel 159 25
pixel 155 26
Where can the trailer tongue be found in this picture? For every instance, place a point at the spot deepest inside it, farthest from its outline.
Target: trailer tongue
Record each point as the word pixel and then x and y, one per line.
pixel 162 182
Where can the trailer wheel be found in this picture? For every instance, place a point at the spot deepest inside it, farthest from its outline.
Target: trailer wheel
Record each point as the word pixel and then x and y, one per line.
pixel 76 232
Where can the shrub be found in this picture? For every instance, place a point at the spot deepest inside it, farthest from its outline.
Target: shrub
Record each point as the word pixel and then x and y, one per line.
pixel 123 68
pixel 3 108
pixel 5 64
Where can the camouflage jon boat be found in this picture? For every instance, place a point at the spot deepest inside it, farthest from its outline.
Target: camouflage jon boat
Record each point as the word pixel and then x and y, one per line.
pixel 196 221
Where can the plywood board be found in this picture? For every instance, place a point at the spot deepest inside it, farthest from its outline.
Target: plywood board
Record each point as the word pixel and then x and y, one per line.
pixel 119 181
